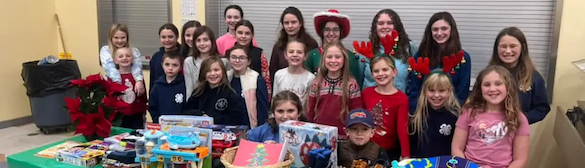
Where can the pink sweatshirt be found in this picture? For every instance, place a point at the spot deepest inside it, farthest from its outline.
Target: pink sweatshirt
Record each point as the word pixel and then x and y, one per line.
pixel 227 41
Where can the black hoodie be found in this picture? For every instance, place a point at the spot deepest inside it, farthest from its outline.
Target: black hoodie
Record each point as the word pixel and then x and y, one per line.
pixel 167 98
pixel 221 103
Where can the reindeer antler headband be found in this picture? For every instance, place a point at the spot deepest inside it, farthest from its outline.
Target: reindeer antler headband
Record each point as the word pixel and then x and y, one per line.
pixel 422 65
pixel 390 44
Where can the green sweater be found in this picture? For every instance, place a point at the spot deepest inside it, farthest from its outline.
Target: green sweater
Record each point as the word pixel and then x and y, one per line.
pixel 314 59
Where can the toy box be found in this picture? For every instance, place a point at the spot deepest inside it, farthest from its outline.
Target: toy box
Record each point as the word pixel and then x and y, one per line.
pixel 302 137
pixel 183 120
pixel 183 145
pixel 80 156
pixel 52 151
pixel 224 137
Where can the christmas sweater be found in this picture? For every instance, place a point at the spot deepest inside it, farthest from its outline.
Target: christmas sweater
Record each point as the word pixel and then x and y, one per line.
pixel 137 103
pixel 327 110
pixel 390 119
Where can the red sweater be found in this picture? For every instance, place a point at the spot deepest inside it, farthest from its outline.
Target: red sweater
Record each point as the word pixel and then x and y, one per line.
pixel 329 106
pixel 390 118
pixel 137 103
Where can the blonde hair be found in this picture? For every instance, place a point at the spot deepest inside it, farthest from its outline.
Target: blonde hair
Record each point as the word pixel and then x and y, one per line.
pixel 511 105
pixel 345 77
pixel 437 81
pixel 113 29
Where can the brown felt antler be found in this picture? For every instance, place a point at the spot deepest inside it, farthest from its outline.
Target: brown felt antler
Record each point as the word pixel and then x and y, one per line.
pixel 389 43
pixel 365 49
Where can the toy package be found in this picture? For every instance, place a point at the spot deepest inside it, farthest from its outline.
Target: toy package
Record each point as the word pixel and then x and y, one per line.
pixel 52 151
pixel 303 137
pixel 80 156
pixel 183 120
pixel 224 137
pixel 436 162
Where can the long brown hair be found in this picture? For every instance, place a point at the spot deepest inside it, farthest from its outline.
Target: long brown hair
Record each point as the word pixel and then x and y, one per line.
pixel 281 98
pixel 477 104
pixel 202 79
pixel 184 47
pixel 430 48
pixel 525 65
pixel 437 81
pixel 403 51
pixel 345 77
pixel 303 35
pixel 198 32
pixel 113 29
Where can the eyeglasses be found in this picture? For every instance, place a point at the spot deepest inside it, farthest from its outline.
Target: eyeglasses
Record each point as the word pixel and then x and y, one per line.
pixel 328 30
pixel 240 58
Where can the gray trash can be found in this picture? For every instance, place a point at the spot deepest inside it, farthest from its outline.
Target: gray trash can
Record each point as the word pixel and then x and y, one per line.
pixel 47 86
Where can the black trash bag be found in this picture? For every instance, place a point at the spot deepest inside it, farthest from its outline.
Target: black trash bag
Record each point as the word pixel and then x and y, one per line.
pixel 42 80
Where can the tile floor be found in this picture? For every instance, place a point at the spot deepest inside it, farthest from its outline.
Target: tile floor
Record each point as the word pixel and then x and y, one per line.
pixel 20 138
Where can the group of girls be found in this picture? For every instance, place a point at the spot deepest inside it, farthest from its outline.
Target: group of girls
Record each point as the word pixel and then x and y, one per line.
pixel 229 79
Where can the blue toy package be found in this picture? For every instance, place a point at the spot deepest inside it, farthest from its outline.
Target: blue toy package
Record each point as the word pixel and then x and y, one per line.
pixel 435 162
pixel 184 120
pixel 303 137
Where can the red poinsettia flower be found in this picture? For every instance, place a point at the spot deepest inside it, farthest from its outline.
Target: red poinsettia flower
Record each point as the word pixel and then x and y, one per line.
pixel 73 105
pixel 87 82
pixel 94 123
pixel 117 104
pixel 113 87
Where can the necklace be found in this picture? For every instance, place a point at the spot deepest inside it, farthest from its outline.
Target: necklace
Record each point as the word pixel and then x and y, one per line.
pixel 332 83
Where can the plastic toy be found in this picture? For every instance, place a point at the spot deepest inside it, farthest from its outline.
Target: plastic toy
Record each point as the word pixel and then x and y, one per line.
pixel 187 142
pixel 435 162
pixel 224 137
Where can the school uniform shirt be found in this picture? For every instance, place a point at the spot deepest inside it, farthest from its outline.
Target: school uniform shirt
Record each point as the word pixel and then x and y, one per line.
pixel 167 98
pixel 277 60
pixel 296 83
pixel 401 67
pixel 221 103
pixel 253 92
pixel 436 137
pixel 107 61
pixel 489 142
pixel 137 103
pixel 227 41
pixel 533 100
pixel 192 68
pixel 327 112
pixel 460 81
pixel 155 64
pixel 314 60
pixel 390 119
pixel 263 133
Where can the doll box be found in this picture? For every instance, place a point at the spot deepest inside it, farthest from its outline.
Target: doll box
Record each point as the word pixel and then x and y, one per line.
pixel 183 120
pixel 302 137
pixel 80 156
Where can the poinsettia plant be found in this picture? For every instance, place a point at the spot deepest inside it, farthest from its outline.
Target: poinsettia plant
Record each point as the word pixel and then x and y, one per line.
pixel 97 106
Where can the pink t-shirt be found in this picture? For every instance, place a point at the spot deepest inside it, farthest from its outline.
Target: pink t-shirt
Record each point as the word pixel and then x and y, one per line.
pixel 487 142
pixel 226 42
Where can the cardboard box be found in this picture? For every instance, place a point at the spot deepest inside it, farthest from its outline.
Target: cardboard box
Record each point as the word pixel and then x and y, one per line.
pixel 569 140
pixel 2 158
pixel 80 156
pixel 166 121
pixel 302 137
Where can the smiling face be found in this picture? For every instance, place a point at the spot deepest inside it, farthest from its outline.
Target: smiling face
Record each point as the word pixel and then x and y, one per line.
pixel 359 134
pixel 244 35
pixel 437 96
pixel 331 32
pixel 189 36
pixel 232 16
pixel 120 39
pixel 441 31
pixel 385 25
pixel 295 53
pixel 239 60
pixel 203 43
pixel 291 24
pixel 168 39
pixel 334 59
pixel 286 111
pixel 383 73
pixel 509 50
pixel 493 89
pixel 214 75
pixel 123 57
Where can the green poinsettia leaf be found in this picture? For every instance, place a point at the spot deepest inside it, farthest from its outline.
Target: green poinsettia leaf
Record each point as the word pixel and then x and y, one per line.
pixel 98 96
pixel 96 87
pixel 117 122
pixel 107 111
pixel 83 93
pixel 75 123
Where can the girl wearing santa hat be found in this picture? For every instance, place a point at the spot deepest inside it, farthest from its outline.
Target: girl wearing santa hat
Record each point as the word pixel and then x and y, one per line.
pixel 332 27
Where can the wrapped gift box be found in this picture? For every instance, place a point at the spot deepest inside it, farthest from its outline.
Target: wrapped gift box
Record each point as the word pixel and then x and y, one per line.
pixel 303 137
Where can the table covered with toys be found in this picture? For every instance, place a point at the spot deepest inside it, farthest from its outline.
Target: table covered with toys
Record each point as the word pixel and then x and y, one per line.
pixel 195 142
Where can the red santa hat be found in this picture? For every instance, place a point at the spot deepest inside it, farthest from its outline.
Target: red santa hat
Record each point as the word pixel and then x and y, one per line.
pixel 332 15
